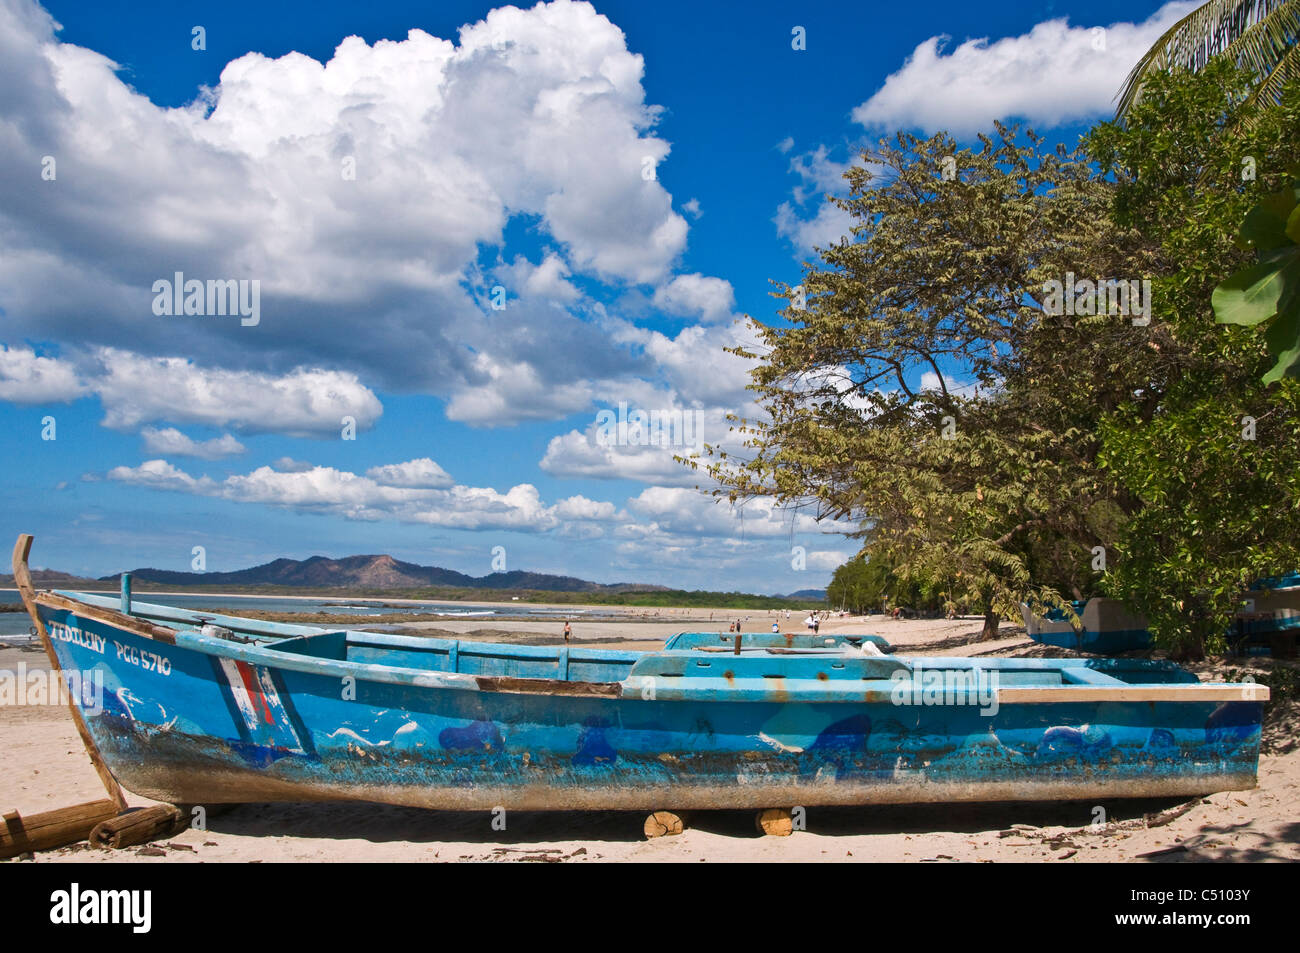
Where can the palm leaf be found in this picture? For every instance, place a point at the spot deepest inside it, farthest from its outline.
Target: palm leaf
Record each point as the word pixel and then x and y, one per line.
pixel 1270 90
pixel 1260 35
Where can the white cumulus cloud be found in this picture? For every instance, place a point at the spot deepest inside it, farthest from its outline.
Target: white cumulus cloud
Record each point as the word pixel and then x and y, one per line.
pixel 171 442
pixel 697 296
pixel 29 378
pixel 360 191
pixel 1052 75
pixel 320 489
pixel 304 402
pixel 419 474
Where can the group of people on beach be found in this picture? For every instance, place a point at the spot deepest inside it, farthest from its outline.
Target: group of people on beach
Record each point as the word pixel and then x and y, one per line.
pixel 813 622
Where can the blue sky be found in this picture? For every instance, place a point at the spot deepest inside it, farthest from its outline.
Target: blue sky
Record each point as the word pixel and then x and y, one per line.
pixel 631 176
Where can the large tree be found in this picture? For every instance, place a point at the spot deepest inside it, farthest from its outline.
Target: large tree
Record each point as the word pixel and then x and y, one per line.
pixel 918 386
pixel 999 450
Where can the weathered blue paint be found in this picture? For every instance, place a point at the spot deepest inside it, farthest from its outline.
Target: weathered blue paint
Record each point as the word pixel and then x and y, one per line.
pixel 1110 642
pixel 329 715
pixel 1105 628
pixel 126 593
pixel 1290 580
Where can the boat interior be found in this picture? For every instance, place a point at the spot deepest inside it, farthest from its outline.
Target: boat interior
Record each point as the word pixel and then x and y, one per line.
pixel 690 655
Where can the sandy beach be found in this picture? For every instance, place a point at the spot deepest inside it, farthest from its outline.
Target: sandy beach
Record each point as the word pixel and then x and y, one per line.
pixel 45 767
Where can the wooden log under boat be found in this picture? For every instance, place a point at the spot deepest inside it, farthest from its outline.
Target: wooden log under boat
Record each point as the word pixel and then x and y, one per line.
pixel 50 829
pixel 139 827
pixel 664 824
pixel 775 822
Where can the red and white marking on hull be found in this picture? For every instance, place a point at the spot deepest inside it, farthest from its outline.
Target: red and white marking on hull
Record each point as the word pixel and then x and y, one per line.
pixel 259 704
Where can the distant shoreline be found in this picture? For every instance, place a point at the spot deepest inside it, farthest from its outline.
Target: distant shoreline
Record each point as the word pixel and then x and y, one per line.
pixel 379 600
pixel 793 605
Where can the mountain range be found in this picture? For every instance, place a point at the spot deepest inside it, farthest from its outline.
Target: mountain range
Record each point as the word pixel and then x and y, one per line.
pixel 369 572
pixel 355 573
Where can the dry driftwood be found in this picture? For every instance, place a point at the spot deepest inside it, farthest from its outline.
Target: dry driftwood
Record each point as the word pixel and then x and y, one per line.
pixel 139 827
pixel 664 824
pixel 51 829
pixel 775 822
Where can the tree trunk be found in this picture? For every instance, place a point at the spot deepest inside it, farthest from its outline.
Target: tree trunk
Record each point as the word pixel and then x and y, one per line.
pixel 992 620
pixel 1191 649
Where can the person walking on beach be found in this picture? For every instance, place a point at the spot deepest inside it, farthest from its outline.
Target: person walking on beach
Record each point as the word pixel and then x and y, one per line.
pixel 568 630
pixel 817 623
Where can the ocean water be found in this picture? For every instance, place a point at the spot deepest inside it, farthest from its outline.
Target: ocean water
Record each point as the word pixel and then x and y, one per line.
pixel 13 623
pixel 18 624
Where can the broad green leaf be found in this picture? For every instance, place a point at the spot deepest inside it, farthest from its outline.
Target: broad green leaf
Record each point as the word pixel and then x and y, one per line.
pixel 1254 294
pixel 1266 224
pixel 1283 339
pixel 1293 225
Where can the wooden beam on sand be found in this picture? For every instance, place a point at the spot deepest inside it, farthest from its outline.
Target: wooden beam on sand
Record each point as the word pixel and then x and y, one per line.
pixel 775 822
pixel 139 827
pixel 664 824
pixel 23 580
pixel 51 829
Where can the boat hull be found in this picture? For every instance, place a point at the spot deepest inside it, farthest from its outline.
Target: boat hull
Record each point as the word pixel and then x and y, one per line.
pixel 1271 620
pixel 231 723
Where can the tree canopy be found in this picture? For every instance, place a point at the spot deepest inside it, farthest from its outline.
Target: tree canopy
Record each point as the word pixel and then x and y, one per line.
pixel 1009 375
pixel 1258 35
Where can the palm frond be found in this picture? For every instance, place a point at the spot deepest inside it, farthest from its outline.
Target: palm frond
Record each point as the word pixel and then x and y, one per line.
pixel 1270 90
pixel 1256 34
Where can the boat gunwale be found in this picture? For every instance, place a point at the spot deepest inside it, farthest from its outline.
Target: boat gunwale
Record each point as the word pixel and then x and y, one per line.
pixel 672 688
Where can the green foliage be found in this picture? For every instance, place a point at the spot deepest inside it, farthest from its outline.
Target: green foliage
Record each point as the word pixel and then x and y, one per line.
pixel 1257 35
pixel 1057 432
pixel 980 486
pixel 1269 289
pixel 864 585
pixel 1217 510
pixel 1207 455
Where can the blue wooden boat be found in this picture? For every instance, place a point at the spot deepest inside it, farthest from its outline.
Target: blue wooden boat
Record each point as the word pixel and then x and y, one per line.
pixel 1105 627
pixel 1271 608
pixel 208 709
pixel 1270 617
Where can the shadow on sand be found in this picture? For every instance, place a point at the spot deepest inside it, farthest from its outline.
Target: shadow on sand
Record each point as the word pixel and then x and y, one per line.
pixel 379 823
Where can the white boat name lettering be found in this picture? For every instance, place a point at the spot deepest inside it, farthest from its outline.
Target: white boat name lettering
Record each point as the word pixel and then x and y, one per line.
pixel 68 633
